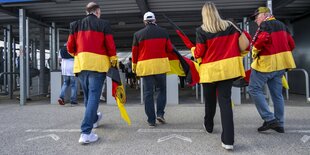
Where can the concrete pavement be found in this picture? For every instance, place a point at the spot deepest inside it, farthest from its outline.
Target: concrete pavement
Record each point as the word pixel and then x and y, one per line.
pixel 41 128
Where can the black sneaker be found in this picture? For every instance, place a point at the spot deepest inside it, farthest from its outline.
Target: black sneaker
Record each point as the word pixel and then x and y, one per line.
pixel 161 119
pixel 152 125
pixel 73 103
pixel 268 125
pixel 208 129
pixel 278 129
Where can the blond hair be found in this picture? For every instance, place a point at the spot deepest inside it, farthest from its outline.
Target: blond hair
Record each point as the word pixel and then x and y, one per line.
pixel 211 19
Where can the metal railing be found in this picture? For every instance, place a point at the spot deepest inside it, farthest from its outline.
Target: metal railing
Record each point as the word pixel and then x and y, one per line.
pixel 10 91
pixel 306 82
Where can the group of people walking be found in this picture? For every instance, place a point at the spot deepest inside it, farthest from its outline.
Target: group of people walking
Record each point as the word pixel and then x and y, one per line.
pixel 217 50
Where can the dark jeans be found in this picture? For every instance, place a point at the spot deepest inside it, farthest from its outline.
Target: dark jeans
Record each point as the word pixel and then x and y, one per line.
pixel 69 81
pixel 182 81
pixel 92 85
pixel 222 91
pixel 148 93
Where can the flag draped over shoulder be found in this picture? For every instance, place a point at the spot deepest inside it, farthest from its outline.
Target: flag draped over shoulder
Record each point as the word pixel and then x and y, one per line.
pixel 118 93
pixel 180 65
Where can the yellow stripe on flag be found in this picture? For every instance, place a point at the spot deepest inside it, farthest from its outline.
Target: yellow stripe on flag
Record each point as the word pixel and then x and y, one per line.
pixel 285 83
pixel 123 112
pixel 176 68
pixel 196 66
pixel 120 99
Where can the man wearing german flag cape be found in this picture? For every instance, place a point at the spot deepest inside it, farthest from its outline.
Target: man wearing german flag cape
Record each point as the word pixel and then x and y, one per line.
pixel 272 47
pixel 118 93
pixel 150 49
pixel 94 52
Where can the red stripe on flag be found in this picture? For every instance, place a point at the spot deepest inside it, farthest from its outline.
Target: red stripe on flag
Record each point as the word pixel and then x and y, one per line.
pixel 114 88
pixel 247 75
pixel 185 39
pixel 193 71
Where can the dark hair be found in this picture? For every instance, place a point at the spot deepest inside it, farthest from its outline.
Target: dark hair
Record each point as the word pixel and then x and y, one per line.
pixel 64 53
pixel 92 7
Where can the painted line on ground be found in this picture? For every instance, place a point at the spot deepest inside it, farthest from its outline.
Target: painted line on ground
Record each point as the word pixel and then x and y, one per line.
pixel 297 131
pixel 55 130
pixel 162 139
pixel 171 130
pixel 53 136
pixel 305 138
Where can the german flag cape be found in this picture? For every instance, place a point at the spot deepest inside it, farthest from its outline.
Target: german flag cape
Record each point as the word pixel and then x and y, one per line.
pixel 189 67
pixel 188 43
pixel 184 66
pixel 118 93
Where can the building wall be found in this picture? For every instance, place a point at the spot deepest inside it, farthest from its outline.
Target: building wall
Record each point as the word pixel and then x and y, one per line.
pixel 301 35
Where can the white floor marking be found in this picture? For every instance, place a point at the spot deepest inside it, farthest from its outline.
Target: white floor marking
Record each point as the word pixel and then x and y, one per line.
pixel 55 130
pixel 298 131
pixel 172 130
pixel 53 136
pixel 173 136
pixel 305 138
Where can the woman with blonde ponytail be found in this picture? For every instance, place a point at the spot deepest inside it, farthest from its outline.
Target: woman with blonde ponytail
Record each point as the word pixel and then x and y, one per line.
pixel 221 63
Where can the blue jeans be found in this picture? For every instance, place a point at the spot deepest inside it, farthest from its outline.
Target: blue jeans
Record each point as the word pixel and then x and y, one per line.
pixel 148 96
pixel 92 85
pixel 72 82
pixel 274 82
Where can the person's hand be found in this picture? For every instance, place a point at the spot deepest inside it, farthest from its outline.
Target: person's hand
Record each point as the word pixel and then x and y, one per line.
pixel 134 66
pixel 193 51
pixel 199 60
pixel 114 62
pixel 193 54
pixel 255 53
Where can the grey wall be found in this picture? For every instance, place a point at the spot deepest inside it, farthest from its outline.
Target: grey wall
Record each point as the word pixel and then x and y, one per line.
pixel 301 35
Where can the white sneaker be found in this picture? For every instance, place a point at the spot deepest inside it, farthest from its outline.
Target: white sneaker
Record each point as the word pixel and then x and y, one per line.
pixel 102 98
pixel 227 147
pixel 88 138
pixel 96 124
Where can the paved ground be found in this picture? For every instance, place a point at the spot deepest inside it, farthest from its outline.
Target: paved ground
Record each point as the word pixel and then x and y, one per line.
pixel 41 128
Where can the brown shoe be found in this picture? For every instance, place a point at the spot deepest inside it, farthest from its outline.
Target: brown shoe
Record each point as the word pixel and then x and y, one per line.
pixel 61 101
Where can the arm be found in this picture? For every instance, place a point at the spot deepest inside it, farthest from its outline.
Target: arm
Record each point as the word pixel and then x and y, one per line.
pixel 135 53
pixel 248 36
pixel 110 44
pixel 71 43
pixel 291 42
pixel 169 46
pixel 262 39
pixel 59 57
pixel 260 42
pixel 201 47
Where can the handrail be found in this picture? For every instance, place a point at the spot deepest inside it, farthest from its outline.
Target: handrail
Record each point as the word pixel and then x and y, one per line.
pixel 306 81
pixel 3 73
